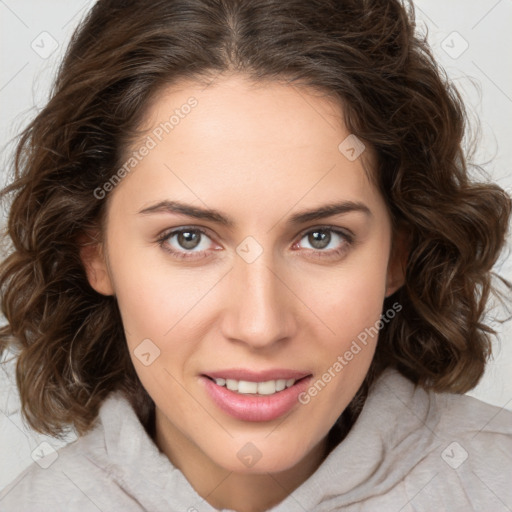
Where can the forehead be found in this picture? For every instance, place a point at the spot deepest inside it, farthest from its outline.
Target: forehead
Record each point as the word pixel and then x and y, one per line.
pixel 259 140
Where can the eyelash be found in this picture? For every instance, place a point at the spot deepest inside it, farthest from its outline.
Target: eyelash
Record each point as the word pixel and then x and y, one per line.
pixel 348 240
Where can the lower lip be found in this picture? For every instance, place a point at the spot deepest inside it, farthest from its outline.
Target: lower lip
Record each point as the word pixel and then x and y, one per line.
pixel 253 407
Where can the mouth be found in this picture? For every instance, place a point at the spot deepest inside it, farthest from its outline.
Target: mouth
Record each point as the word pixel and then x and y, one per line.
pixel 250 396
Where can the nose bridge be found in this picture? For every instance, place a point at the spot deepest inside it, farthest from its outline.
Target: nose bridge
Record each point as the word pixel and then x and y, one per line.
pixel 260 310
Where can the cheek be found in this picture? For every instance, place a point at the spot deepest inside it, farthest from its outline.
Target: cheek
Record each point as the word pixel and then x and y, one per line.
pixel 162 303
pixel 143 305
pixel 351 308
pixel 351 297
pixel 153 305
pixel 152 296
pixel 350 303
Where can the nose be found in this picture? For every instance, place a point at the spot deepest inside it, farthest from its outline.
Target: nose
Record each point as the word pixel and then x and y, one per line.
pixel 260 310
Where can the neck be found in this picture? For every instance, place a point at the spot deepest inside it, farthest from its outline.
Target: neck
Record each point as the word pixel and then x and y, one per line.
pixel 224 489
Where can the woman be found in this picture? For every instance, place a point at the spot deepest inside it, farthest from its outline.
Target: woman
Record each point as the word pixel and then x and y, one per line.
pixel 250 269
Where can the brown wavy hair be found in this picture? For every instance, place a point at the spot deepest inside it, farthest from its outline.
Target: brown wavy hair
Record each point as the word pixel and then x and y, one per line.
pixel 365 54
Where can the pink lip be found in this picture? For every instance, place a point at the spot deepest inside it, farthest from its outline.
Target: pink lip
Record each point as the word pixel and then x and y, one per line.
pixel 255 407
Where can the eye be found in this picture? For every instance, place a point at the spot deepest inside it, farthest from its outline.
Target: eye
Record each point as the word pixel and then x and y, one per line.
pixel 186 242
pixel 326 241
pixel 194 243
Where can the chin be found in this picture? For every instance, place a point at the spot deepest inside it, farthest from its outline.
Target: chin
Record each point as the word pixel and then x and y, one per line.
pixel 262 456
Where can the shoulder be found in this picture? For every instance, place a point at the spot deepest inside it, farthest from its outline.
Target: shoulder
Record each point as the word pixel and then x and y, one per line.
pixel 463 448
pixel 445 415
pixel 76 477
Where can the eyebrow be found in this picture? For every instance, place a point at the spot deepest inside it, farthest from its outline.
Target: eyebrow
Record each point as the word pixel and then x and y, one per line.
pixel 301 217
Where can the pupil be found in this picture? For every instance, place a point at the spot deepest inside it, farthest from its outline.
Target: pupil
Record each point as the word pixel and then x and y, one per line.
pixel 319 239
pixel 188 239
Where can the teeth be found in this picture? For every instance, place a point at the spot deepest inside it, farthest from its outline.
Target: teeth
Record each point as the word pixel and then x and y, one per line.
pixel 266 388
pixel 232 384
pixel 280 384
pixel 245 387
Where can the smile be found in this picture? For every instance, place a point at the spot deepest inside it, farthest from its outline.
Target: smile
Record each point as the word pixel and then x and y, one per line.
pixel 263 396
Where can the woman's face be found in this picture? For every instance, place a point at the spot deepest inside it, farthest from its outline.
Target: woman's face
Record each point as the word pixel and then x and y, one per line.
pixel 226 266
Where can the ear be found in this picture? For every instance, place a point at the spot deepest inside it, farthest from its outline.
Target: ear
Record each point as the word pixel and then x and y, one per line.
pixel 397 261
pixel 95 264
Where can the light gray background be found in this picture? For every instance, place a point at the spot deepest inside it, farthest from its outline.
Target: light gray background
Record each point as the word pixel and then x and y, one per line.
pixel 470 38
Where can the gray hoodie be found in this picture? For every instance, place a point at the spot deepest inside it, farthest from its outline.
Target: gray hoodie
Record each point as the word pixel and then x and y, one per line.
pixel 409 450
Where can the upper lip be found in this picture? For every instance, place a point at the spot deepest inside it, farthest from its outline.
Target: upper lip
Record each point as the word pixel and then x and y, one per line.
pixel 257 376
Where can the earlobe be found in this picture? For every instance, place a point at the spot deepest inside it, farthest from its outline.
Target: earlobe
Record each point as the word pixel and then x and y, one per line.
pixel 397 262
pixel 95 265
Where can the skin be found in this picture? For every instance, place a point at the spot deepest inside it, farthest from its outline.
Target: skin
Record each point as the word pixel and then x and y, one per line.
pixel 258 154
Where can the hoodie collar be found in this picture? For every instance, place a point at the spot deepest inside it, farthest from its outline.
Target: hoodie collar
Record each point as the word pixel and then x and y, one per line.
pixel 395 426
